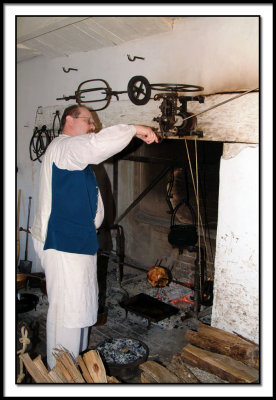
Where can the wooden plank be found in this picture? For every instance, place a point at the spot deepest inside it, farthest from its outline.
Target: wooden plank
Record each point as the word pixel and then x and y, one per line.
pixel 146 378
pixel 112 379
pixel 159 373
pixel 56 375
pixel 223 366
pixel 236 121
pixel 35 373
pixel 66 360
pixel 222 342
pixel 41 367
pixel 64 371
pixel 30 27
pixel 72 367
pixel 95 366
pixel 178 367
pixel 84 369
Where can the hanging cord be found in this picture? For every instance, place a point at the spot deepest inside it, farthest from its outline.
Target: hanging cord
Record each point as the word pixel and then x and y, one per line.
pixel 25 341
pixel 198 224
pixel 39 142
pixel 169 191
pixel 199 216
pixel 56 132
pixel 203 190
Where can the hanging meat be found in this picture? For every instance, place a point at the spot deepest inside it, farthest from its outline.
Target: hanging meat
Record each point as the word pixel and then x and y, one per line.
pixel 158 276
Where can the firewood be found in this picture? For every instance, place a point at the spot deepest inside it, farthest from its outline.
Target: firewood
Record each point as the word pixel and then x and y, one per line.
pixel 41 367
pixel 112 379
pixel 66 360
pixel 222 342
pixel 56 375
pixel 72 367
pixel 159 373
pixel 146 378
pixel 84 370
pixel 178 367
pixel 64 371
pixel 223 366
pixel 33 370
pixel 95 366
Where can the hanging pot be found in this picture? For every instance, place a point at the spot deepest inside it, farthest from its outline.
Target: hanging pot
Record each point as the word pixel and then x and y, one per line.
pixel 185 235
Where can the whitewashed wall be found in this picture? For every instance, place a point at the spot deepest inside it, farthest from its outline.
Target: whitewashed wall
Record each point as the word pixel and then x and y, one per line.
pixel 218 53
pixel 236 284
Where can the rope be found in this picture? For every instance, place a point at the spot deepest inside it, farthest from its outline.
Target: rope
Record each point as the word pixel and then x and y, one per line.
pixel 220 104
pixel 25 341
pixel 198 221
pixel 197 200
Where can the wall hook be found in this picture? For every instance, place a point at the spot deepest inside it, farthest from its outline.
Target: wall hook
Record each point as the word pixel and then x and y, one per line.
pixel 69 69
pixel 134 58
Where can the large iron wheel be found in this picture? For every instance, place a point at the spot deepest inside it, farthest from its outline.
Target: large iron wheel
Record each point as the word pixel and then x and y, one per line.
pixel 139 90
pixel 176 87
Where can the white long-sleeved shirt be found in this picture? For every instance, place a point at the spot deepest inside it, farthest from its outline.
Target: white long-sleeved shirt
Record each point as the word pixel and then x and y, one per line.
pixel 75 153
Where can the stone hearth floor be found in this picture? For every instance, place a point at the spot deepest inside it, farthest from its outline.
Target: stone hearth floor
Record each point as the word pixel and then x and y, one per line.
pixel 164 338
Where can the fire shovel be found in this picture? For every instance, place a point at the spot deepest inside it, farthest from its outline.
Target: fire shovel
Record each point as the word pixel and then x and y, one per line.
pixel 25 266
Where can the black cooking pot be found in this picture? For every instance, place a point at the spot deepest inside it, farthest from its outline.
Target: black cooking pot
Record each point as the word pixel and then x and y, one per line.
pixel 26 302
pixel 123 347
pixel 185 235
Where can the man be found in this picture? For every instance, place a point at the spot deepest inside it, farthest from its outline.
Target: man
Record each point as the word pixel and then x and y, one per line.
pixel 69 210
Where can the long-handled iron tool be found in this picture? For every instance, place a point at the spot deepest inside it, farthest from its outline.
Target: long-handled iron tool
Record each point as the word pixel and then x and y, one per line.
pixel 26 265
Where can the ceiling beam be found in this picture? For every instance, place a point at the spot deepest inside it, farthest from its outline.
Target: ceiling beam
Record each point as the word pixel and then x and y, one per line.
pixel 33 27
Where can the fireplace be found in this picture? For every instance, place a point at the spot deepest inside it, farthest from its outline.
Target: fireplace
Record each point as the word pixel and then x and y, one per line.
pixel 162 178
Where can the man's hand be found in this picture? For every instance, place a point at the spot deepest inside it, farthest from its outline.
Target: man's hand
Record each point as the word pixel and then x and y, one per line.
pixel 146 134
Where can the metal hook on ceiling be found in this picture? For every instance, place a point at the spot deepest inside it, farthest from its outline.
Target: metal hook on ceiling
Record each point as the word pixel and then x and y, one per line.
pixel 69 69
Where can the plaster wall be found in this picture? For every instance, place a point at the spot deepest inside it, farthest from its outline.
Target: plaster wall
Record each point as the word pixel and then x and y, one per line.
pixel 218 53
pixel 236 283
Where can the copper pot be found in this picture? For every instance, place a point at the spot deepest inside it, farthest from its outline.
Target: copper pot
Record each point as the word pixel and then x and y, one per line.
pixel 21 281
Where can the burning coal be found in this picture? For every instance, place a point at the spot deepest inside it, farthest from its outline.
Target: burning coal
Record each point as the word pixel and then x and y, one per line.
pixel 185 299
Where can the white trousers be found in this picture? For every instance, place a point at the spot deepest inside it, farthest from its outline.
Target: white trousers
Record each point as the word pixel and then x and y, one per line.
pixel 72 290
pixel 74 340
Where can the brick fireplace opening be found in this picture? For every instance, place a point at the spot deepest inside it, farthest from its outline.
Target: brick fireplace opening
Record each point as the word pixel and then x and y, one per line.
pixel 159 178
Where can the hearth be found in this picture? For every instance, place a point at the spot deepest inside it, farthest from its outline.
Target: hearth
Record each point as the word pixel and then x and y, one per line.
pixel 163 186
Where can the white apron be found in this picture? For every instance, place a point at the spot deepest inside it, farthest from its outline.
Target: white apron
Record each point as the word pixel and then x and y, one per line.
pixel 71 279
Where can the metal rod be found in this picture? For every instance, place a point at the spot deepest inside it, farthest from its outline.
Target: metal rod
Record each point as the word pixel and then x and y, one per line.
pixel 152 160
pixel 143 194
pixel 115 184
pixel 220 104
pixel 146 271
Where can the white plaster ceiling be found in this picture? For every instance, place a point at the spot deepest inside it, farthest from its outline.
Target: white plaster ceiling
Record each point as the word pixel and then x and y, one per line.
pixel 61 36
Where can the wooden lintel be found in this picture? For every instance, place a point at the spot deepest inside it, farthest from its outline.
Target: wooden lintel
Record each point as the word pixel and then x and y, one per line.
pixel 236 121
